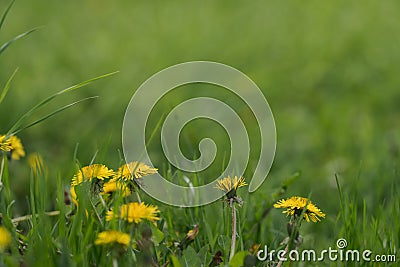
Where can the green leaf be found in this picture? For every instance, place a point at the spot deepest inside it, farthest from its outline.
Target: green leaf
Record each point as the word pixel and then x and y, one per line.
pixel 158 235
pixel 174 260
pixel 204 254
pixel 190 258
pixel 238 259
pixel 250 261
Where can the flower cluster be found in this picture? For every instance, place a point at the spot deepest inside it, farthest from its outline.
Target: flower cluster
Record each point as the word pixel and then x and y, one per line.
pixel 111 182
pixel 121 217
pixel 108 180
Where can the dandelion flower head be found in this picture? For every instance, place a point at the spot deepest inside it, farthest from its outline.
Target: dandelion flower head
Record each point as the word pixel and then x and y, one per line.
pixel 5 144
pixel 90 172
pixel 114 186
pixel 295 205
pixel 132 170
pixel 5 238
pixel 230 185
pixel 35 161
pixel 135 212
pixel 14 145
pixel 112 236
pixel 191 234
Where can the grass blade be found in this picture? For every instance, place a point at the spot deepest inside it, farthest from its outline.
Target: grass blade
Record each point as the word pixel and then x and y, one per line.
pixel 7 86
pixel 3 17
pixel 7 44
pixel 79 85
pixel 15 127
pixel 52 114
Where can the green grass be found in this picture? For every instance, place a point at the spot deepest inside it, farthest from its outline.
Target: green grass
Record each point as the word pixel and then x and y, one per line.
pixel 328 70
pixel 67 238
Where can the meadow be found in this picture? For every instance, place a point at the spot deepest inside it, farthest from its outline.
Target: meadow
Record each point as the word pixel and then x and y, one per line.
pixel 329 71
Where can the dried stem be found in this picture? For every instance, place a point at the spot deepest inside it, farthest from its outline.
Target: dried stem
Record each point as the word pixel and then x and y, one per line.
pixel 233 242
pixel 28 217
pixel 115 262
pixel 1 172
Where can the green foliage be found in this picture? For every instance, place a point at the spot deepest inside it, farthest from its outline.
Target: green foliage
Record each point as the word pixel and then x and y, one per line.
pixel 238 259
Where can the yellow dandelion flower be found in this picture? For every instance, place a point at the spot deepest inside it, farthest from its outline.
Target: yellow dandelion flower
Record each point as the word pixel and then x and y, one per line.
pixel 113 186
pixel 14 145
pixel 230 185
pixel 5 144
pixel 191 235
pixel 227 184
pixel 254 248
pixel 36 163
pixel 17 149
pixel 133 170
pixel 73 195
pixel 135 212
pixel 90 172
pixel 112 236
pixel 5 238
pixel 295 205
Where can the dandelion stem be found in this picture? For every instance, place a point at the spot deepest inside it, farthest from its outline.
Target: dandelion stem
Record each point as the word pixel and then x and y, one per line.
pixel 233 242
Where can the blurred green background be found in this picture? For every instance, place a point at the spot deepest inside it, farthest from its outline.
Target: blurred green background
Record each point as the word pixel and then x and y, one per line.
pixel 329 71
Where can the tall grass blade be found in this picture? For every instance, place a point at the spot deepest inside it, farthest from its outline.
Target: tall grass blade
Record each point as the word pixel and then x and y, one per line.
pixel 7 86
pixel 7 44
pixel 20 121
pixel 3 17
pixel 52 114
